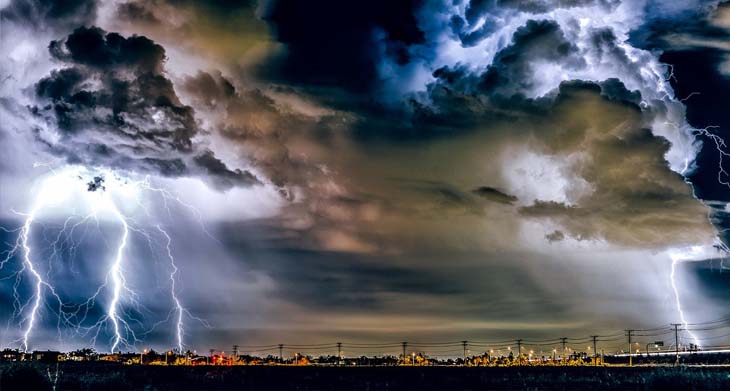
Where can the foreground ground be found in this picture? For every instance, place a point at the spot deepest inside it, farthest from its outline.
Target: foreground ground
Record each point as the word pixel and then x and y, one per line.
pixel 100 376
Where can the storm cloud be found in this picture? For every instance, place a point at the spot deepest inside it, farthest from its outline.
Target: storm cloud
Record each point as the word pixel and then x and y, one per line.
pixel 443 170
pixel 114 107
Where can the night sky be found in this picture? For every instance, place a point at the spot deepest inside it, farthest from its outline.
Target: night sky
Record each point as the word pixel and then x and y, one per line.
pixel 366 171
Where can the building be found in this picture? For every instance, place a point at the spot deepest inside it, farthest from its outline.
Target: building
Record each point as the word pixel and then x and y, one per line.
pixel 12 355
pixel 47 356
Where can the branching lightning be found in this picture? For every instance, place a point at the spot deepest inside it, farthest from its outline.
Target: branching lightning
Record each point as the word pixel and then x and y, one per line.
pixel 22 244
pixel 722 175
pixel 122 306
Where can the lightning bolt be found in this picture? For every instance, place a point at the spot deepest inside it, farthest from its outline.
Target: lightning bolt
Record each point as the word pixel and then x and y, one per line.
pixel 122 301
pixel 179 308
pixel 722 175
pixel 22 244
pixel 40 282
pixel 118 281
pixel 720 147
pixel 677 302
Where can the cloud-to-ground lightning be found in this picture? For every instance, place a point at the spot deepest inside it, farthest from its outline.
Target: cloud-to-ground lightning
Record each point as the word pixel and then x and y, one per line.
pixel 101 199
pixel 676 259
pixel 118 281
pixel 39 284
pixel 696 252
pixel 173 276
pixel 29 316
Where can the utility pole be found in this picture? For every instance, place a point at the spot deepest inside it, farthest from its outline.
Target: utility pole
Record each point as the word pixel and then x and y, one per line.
pixel 562 355
pixel 281 352
pixel 519 352
pixel 339 353
pixel 628 334
pixel 463 344
pixel 595 352
pixel 235 354
pixel 405 345
pixel 676 342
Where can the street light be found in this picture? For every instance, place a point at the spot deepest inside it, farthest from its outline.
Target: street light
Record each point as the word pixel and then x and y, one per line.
pixel 657 344
pixel 141 359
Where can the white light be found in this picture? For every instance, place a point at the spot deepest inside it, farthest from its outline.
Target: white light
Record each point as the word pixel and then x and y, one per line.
pixel 64 192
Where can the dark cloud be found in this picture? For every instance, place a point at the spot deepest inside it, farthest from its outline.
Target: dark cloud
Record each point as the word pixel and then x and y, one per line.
pixel 113 106
pixel 695 28
pixel 447 197
pixel 484 17
pixel 460 98
pixel 555 236
pixel 334 43
pixel 137 12
pixel 541 6
pixel 537 40
pixel 220 174
pixel 102 51
pixel 276 136
pixel 494 195
pixel 615 90
pixel 210 90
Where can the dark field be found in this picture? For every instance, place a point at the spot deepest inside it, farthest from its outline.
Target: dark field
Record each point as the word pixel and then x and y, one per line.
pixel 98 376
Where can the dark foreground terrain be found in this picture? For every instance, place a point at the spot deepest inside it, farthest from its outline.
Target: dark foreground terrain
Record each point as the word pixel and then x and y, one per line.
pixel 100 376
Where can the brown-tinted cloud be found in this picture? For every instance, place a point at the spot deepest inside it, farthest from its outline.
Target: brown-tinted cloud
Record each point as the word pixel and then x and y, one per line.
pixel 634 198
pixel 350 194
pixel 494 195
pixel 224 33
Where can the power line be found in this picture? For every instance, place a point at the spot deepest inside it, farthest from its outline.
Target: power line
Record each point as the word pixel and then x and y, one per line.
pixel 722 323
